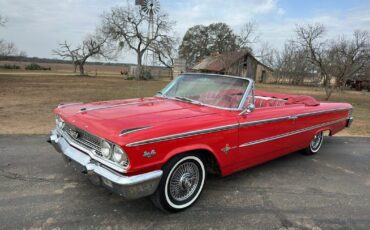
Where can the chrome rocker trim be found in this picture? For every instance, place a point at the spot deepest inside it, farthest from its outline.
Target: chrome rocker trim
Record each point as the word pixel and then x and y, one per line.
pixel 130 187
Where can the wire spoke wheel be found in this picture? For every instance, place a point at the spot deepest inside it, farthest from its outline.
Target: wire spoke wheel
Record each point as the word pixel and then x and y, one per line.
pixel 184 181
pixel 181 184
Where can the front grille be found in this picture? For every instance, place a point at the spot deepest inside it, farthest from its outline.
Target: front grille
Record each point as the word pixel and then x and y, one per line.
pixel 83 138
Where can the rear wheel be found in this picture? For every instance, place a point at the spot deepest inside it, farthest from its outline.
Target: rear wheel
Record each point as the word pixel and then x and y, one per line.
pixel 181 184
pixel 315 144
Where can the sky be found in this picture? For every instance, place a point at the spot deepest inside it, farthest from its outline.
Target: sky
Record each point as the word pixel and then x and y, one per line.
pixel 37 26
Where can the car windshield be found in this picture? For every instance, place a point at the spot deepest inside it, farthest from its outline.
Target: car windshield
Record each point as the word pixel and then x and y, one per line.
pixel 214 90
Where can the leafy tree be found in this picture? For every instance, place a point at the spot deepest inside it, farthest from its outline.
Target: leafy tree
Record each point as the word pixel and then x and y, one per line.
pixel 200 41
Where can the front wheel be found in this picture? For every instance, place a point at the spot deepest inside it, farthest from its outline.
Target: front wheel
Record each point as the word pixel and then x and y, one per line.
pixel 315 144
pixel 181 184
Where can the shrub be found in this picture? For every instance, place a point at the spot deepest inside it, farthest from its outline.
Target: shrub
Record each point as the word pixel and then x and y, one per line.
pixel 34 66
pixel 7 66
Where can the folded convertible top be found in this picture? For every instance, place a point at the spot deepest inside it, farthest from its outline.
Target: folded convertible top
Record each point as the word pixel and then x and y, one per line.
pixel 291 99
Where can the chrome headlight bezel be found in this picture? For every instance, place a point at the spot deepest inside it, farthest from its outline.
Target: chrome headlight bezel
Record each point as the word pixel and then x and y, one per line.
pixel 106 149
pixel 59 122
pixel 120 156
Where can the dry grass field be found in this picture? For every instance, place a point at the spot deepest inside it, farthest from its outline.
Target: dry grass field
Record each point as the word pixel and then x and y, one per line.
pixel 27 100
pixel 67 69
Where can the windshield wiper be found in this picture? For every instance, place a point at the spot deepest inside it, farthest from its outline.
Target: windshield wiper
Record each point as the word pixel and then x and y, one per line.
pixel 188 100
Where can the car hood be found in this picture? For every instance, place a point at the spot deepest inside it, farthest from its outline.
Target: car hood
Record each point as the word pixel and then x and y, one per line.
pixel 108 119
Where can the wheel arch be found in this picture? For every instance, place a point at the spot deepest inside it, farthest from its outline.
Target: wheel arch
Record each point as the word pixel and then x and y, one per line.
pixel 210 159
pixel 325 130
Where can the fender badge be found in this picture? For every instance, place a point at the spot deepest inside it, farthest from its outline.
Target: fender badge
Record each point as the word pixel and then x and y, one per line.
pixel 149 154
pixel 227 148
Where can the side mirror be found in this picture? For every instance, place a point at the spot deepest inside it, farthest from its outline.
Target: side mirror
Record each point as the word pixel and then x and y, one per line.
pixel 250 108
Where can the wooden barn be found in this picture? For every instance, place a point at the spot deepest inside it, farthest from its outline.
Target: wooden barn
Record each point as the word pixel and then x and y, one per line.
pixel 239 63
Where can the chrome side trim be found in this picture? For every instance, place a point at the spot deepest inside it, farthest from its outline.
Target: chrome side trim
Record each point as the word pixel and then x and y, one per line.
pixel 113 106
pixel 132 130
pixel 221 128
pixel 259 122
pixel 321 112
pixel 181 135
pixel 290 133
pixel 292 117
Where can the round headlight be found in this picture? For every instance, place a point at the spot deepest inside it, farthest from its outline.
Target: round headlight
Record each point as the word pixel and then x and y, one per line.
pixel 59 121
pixel 105 149
pixel 119 155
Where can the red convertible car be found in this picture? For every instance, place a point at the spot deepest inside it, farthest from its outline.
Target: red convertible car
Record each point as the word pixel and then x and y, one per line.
pixel 164 146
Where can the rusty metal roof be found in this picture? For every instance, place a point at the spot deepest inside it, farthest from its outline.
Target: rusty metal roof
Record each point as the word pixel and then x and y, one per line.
pixel 219 62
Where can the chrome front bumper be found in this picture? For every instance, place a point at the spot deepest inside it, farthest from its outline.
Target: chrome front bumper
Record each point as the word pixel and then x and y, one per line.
pixel 349 122
pixel 130 187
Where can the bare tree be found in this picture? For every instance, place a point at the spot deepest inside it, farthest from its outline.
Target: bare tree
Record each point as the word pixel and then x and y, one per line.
pixel 8 49
pixel 337 60
pixel 66 52
pixel 267 54
pixel 165 50
pixel 292 65
pixel 92 46
pixel 248 35
pixel 128 25
pixel 349 57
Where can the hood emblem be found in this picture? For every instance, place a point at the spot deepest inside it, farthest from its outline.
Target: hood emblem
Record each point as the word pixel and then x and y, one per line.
pixel 149 154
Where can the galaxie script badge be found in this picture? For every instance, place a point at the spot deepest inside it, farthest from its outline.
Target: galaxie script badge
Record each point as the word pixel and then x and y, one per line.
pixel 149 154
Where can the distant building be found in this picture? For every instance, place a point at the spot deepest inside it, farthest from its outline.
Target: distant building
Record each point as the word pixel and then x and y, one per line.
pixel 239 63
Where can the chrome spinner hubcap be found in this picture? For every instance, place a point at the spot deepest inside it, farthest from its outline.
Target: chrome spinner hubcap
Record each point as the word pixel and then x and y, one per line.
pixel 184 181
pixel 315 144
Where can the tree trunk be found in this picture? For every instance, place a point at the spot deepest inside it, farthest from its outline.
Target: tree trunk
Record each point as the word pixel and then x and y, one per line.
pixel 75 67
pixel 139 66
pixel 82 70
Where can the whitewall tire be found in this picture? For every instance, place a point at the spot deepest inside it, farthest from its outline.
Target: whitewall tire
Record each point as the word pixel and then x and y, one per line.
pixel 181 184
pixel 315 144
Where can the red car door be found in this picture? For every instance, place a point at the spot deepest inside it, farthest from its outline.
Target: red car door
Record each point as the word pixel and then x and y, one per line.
pixel 264 134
